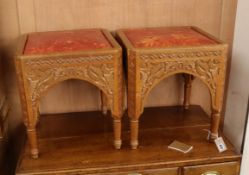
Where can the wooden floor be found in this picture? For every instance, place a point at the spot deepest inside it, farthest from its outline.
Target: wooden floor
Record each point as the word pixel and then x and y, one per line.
pixel 82 142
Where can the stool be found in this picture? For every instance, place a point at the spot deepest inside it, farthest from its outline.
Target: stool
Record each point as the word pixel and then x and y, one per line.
pixel 47 58
pixel 154 54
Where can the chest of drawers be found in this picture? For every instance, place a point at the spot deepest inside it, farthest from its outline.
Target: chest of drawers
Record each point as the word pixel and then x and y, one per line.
pixel 87 150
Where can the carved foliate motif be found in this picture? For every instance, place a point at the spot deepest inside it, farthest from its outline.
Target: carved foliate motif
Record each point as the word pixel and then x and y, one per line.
pixel 40 78
pixel 69 60
pixel 208 70
pixel 177 55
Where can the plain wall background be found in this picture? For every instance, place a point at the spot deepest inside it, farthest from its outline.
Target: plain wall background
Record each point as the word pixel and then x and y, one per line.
pixel 245 158
pixel 238 89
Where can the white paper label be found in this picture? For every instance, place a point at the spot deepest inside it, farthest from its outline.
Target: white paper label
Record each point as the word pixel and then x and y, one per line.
pixel 220 144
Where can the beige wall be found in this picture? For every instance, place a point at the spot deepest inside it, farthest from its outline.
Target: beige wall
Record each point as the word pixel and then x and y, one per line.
pixel 245 158
pixel 18 16
pixel 238 90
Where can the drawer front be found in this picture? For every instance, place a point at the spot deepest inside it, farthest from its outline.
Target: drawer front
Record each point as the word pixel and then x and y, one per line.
pixel 166 171
pixel 231 168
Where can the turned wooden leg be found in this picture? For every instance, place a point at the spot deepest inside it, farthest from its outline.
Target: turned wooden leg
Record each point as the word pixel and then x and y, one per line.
pixel 104 103
pixel 215 121
pixel 134 125
pixel 117 133
pixel 32 137
pixel 187 90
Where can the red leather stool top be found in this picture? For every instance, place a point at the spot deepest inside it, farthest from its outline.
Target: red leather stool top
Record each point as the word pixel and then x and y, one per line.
pixel 65 41
pixel 166 37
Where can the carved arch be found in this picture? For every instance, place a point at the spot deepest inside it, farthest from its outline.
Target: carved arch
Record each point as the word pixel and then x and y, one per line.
pixel 65 79
pixel 41 80
pixel 208 71
pixel 167 76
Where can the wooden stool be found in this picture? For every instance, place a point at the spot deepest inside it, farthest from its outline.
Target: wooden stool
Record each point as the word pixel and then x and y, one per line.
pixel 45 59
pixel 156 53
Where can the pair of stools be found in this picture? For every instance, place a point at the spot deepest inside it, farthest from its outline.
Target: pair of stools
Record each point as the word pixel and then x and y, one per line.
pixel 152 54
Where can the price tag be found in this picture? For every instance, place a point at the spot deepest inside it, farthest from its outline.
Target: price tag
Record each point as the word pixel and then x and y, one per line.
pixel 220 144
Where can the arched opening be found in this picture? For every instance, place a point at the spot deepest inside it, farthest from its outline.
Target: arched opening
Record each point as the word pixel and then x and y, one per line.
pixel 72 108
pixel 168 95
pixel 169 91
pixel 70 96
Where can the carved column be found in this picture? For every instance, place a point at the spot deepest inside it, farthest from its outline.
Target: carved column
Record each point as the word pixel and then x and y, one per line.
pixel 215 120
pixel 28 110
pixel 134 97
pixel 104 103
pixel 32 137
pixel 134 125
pixel 117 133
pixel 188 79
pixel 217 99
pixel 118 97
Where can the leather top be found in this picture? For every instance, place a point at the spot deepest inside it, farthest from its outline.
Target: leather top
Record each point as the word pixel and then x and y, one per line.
pixel 65 41
pixel 166 37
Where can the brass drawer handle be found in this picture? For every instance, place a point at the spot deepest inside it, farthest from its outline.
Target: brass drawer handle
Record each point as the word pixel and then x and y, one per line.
pixel 211 173
pixel 134 174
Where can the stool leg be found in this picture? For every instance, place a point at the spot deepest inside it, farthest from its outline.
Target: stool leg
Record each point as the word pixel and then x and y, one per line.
pixel 217 102
pixel 32 137
pixel 117 133
pixel 28 108
pixel 187 90
pixel 134 125
pixel 104 103
pixel 215 120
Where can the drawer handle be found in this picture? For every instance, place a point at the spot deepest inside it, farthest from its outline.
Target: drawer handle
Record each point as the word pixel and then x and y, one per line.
pixel 134 174
pixel 211 173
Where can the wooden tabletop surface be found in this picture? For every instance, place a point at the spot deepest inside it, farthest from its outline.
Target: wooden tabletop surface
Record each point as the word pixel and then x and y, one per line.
pixel 68 142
